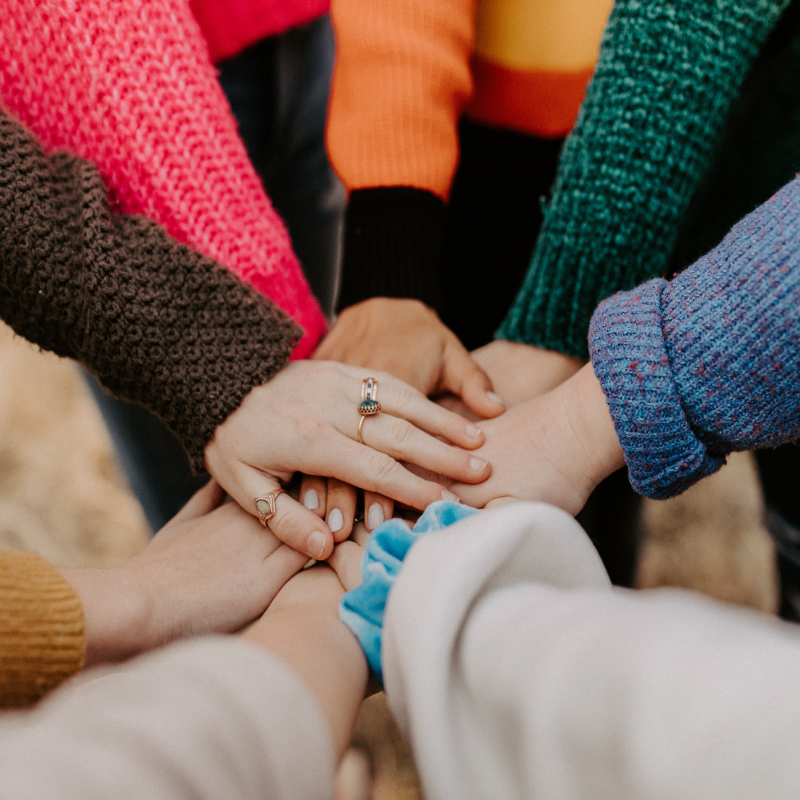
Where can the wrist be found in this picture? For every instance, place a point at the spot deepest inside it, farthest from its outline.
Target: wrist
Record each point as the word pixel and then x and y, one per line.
pixel 118 614
pixel 589 420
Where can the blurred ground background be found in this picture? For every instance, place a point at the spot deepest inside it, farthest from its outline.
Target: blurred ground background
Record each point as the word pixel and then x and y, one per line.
pixel 63 496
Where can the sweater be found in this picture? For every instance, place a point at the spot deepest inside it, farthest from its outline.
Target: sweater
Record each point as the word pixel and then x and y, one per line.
pixel 518 672
pixel 229 26
pixel 204 719
pixel 405 73
pixel 707 363
pixel 653 114
pixel 157 323
pixel 42 633
pixel 130 87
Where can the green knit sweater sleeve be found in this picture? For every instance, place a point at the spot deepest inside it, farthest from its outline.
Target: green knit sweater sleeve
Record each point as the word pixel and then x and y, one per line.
pixel 666 77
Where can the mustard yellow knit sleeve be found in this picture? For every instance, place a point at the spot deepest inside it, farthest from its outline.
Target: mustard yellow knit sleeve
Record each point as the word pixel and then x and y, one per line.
pixel 42 632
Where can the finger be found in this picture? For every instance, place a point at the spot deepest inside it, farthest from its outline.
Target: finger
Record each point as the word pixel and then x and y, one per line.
pixel 346 563
pixel 377 508
pixel 202 502
pixel 403 441
pixel 377 472
pixel 401 400
pixel 360 534
pixel 293 523
pixel 463 377
pixel 342 499
pixel 313 492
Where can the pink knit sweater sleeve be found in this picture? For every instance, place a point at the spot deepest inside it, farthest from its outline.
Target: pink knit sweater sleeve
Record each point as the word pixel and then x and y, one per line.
pixel 130 86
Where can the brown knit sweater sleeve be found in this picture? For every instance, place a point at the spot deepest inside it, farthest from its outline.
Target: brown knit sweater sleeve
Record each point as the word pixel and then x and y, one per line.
pixel 42 634
pixel 159 324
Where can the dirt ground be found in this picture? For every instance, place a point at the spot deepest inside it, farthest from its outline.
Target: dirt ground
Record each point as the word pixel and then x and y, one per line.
pixel 62 495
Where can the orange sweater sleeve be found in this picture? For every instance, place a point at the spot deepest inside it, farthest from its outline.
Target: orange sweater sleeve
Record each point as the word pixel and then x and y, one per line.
pixel 401 80
pixel 42 632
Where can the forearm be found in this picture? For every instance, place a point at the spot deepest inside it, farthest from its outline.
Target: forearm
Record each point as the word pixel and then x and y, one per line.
pixel 402 78
pixel 708 363
pixel 306 633
pixel 130 87
pixel 644 137
pixel 159 324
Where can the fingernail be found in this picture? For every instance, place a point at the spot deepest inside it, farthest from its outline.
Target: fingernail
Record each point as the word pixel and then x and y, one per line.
pixel 450 496
pixel 375 516
pixel 477 463
pixel 311 500
pixel 474 431
pixel 335 520
pixel 494 398
pixel 316 544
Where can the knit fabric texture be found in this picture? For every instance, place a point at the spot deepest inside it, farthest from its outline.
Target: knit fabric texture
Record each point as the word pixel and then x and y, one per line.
pixel 392 245
pixel 653 113
pixel 42 630
pixel 229 26
pixel 159 324
pixel 708 363
pixel 130 87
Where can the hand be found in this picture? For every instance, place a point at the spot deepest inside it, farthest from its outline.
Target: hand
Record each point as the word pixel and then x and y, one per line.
pixel 306 419
pixel 555 448
pixel 211 569
pixel 408 340
pixel 520 372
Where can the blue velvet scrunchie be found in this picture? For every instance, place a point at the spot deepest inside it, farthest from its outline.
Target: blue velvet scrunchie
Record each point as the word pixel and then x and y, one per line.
pixel 363 609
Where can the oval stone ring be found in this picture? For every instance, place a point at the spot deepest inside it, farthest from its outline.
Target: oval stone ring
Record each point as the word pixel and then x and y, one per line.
pixel 369 405
pixel 266 507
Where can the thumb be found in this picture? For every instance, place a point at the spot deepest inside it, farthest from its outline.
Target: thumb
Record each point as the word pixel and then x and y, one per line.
pixel 463 377
pixel 202 502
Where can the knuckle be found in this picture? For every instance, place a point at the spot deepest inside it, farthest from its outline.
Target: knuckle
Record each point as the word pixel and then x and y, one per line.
pixel 402 432
pixel 382 466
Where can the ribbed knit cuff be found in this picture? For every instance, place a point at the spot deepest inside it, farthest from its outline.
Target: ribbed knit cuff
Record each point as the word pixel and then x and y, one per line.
pixel 42 631
pixel 626 343
pixel 650 122
pixel 392 245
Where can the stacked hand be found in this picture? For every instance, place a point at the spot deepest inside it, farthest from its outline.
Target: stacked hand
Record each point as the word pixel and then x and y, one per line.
pixel 306 420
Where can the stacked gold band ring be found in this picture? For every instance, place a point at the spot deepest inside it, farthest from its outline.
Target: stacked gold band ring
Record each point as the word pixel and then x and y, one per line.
pixel 369 405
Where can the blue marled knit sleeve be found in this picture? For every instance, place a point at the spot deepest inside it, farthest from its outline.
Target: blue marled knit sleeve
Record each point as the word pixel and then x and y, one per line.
pixel 709 362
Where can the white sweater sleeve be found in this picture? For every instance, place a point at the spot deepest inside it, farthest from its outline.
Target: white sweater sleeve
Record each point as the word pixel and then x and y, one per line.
pixel 516 671
pixel 211 718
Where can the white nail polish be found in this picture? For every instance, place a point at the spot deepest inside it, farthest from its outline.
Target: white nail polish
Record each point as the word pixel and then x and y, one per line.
pixel 494 398
pixel 375 516
pixel 316 544
pixel 311 500
pixel 335 520
pixel 450 496
pixel 474 431
pixel 477 464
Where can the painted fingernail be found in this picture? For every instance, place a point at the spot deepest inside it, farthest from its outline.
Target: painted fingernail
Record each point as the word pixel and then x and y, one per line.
pixel 375 516
pixel 316 544
pixel 474 431
pixel 450 496
pixel 494 398
pixel 336 520
pixel 311 500
pixel 477 463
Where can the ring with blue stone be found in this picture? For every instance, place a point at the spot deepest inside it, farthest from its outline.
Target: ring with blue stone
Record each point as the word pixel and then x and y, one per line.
pixel 369 405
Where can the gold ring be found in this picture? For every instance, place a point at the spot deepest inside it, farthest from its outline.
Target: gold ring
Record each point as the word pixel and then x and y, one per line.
pixel 265 506
pixel 369 405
